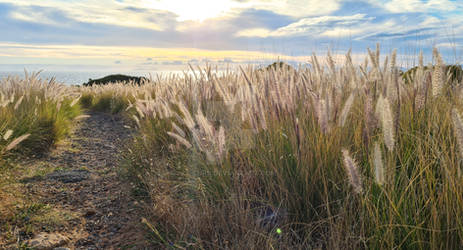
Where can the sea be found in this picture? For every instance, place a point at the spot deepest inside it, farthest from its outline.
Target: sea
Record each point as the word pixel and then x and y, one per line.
pixel 80 77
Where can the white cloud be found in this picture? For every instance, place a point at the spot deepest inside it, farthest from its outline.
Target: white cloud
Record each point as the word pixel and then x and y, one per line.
pixel 407 6
pixel 296 8
pixel 431 21
pixel 313 25
pixel 449 45
pixel 328 26
pixel 28 15
pixel 258 32
pixel 114 12
pixel 197 10
pixel 342 32
pixel 103 11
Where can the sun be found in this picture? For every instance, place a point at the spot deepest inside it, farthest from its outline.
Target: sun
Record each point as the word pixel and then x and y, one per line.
pixel 193 10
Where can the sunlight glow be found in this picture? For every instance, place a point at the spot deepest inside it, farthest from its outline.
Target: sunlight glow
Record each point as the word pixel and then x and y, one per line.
pixel 197 10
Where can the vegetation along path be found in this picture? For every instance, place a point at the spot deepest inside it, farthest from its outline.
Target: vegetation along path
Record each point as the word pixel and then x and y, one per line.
pixel 81 203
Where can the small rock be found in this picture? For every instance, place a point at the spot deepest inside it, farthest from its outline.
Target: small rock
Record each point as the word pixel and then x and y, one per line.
pixel 46 241
pixel 90 212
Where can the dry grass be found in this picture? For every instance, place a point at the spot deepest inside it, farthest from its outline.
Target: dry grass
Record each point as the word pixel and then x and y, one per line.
pixel 226 159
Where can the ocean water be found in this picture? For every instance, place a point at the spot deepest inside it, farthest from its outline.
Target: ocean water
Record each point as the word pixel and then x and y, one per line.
pixel 79 77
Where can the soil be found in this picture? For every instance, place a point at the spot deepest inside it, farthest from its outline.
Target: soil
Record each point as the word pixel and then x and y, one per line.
pixel 91 202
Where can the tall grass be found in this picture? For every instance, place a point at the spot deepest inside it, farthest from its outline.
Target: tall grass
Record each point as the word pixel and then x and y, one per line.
pixel 111 98
pixel 335 155
pixel 34 114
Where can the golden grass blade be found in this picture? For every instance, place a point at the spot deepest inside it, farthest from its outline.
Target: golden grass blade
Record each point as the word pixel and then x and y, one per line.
pixel 180 139
pixel 16 141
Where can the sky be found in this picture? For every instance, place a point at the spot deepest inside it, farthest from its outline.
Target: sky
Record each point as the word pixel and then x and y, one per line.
pixel 159 34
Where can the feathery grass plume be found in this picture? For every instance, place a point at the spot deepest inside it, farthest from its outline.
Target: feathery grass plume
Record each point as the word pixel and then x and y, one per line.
pixel 331 64
pixel 365 64
pixel 437 74
pixel 316 64
pixel 18 102
pixel 378 163
pixel 378 49
pixel 346 109
pixel 15 142
pixel 420 60
pixel 352 171
pixel 393 59
pixel 385 65
pixel 374 58
pixel 178 130
pixel 387 122
pixel 76 100
pixel 221 142
pixel 187 119
pixel 322 115
pixel 58 106
pixel 370 119
pixel 7 134
pixel 136 120
pixel 379 107
pixel 420 97
pixel 180 139
pixel 458 129
pixel 205 125
pixel 383 110
pixel 139 111
pixel 12 97
pixel 81 117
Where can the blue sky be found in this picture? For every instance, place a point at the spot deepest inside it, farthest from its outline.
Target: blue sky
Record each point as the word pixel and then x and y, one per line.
pixel 144 34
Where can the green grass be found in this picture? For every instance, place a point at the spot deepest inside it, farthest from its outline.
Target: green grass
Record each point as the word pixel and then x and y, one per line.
pixel 42 110
pixel 107 98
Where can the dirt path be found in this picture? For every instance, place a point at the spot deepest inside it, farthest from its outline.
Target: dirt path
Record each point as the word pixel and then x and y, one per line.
pixel 83 192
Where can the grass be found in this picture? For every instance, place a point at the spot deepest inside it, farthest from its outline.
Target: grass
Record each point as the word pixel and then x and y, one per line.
pixel 23 213
pixel 34 114
pixel 335 155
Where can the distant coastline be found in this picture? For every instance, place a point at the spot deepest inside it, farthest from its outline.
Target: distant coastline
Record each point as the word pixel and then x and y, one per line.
pixel 77 77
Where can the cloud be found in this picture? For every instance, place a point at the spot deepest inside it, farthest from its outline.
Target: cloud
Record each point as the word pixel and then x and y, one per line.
pixel 449 45
pixel 242 30
pixel 296 8
pixel 176 62
pixel 256 32
pixel 342 32
pixel 410 6
pixel 313 26
pixel 128 54
pixel 100 12
pixel 35 14
pixel 226 61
